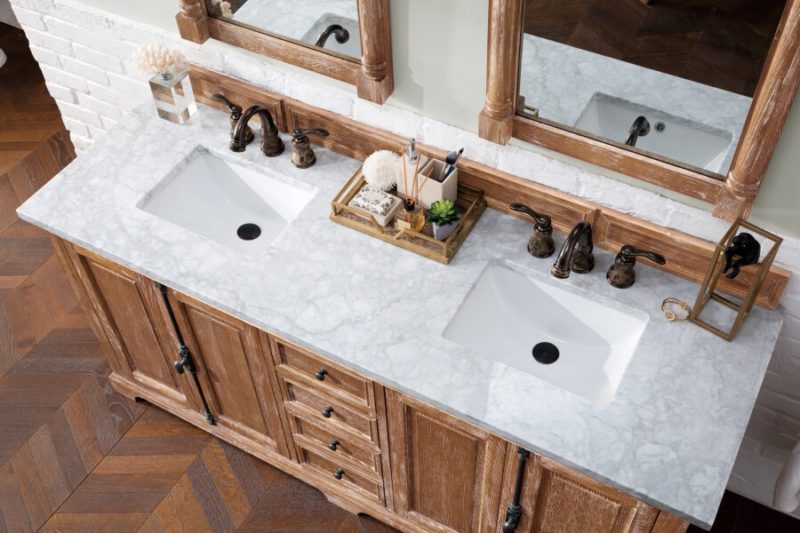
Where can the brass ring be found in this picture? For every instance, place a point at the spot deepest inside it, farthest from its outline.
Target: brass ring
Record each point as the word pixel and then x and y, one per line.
pixel 670 313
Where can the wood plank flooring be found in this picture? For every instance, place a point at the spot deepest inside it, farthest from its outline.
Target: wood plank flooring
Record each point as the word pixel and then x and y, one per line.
pixel 76 456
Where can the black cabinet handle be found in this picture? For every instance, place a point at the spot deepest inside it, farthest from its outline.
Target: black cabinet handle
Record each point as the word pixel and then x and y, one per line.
pixel 334 444
pixel 320 374
pixel 339 474
pixel 327 412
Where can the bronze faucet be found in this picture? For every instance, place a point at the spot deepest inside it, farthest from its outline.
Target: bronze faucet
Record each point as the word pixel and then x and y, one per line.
pixel 236 114
pixel 271 143
pixel 639 128
pixel 621 274
pixel 337 30
pixel 576 252
pixel 541 242
pixel 302 154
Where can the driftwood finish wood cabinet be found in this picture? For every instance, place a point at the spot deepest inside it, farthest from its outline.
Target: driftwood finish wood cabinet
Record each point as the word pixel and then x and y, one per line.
pixel 368 448
pixel 447 475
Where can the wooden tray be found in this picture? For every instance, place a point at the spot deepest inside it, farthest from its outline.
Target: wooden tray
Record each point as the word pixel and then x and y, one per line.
pixel 470 202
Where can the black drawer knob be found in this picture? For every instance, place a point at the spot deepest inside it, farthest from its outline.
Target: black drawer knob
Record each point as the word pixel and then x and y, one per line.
pixel 320 374
pixel 339 474
pixel 327 412
pixel 334 444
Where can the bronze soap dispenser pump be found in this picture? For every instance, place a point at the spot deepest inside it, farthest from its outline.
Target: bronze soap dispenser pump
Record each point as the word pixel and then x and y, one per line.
pixel 541 242
pixel 302 154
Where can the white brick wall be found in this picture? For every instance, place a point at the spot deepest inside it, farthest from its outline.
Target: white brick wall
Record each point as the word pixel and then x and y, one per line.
pixel 85 56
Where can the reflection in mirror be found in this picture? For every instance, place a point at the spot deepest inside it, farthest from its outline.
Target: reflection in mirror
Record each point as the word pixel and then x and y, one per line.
pixel 671 79
pixel 328 24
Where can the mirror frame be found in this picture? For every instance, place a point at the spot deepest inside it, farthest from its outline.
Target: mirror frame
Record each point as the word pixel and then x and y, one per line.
pixel 372 76
pixel 733 196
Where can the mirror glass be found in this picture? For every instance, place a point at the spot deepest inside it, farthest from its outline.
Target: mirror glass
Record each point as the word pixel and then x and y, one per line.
pixel 672 79
pixel 331 25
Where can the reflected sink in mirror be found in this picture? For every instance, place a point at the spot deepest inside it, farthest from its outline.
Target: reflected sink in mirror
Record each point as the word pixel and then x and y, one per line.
pixel 680 139
pixel 237 206
pixel 508 316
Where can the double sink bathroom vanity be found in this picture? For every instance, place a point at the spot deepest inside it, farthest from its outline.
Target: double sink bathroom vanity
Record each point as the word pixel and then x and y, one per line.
pixel 398 386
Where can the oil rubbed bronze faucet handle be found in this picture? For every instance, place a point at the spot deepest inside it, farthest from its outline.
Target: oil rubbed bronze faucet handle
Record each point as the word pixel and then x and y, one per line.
pixel 236 114
pixel 543 222
pixel 630 252
pixel 299 133
pixel 221 98
pixel 621 274
pixel 541 242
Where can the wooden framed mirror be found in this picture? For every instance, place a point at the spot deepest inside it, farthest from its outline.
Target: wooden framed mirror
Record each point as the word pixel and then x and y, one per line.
pixel 689 95
pixel 349 40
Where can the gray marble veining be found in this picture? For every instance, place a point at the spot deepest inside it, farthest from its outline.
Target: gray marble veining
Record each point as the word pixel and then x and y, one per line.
pixel 560 80
pixel 669 435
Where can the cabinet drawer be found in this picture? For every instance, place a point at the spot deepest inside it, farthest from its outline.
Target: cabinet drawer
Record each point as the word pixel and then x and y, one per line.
pixel 352 386
pixel 348 478
pixel 330 412
pixel 306 431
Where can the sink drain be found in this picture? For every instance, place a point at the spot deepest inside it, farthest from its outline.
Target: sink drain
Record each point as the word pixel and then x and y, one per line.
pixel 545 353
pixel 248 232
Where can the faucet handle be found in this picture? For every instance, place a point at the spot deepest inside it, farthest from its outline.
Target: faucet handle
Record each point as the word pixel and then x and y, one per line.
pixel 621 274
pixel 629 253
pixel 236 114
pixel 541 242
pixel 300 133
pixel 234 108
pixel 543 222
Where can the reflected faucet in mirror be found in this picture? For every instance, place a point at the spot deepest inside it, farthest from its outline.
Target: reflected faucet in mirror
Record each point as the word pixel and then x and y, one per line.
pixel 639 128
pixel 337 30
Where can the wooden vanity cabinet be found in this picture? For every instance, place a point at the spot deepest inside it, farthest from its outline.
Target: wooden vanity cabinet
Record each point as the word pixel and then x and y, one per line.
pixel 234 369
pixel 447 475
pixel 366 447
pixel 558 499
pixel 127 315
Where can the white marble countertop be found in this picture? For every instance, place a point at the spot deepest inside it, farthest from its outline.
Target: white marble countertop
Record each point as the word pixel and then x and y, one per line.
pixel 669 436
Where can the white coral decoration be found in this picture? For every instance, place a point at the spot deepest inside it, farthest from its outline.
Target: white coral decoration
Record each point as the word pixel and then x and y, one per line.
pixel 156 58
pixel 382 169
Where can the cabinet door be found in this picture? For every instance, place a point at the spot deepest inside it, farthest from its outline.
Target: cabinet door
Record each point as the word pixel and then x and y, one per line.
pixel 235 371
pixel 557 499
pixel 129 318
pixel 446 474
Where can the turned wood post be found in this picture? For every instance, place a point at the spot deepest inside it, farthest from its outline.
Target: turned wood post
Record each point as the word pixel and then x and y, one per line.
pixel 191 19
pixel 768 111
pixel 375 82
pixel 502 64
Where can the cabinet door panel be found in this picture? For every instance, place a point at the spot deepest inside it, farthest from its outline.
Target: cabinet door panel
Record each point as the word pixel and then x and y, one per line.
pixel 446 473
pixel 557 499
pixel 235 372
pixel 127 308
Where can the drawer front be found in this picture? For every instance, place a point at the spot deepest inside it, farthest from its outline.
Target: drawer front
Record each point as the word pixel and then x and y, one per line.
pixel 328 411
pixel 327 373
pixel 339 444
pixel 349 478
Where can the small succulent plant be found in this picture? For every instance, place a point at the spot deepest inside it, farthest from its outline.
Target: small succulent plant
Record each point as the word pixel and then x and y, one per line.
pixel 443 212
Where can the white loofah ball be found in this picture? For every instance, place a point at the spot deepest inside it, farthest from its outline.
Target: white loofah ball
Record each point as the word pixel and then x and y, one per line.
pixel 155 58
pixel 382 169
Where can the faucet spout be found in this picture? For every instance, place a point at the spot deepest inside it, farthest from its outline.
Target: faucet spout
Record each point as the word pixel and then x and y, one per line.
pixel 576 252
pixel 271 143
pixel 639 128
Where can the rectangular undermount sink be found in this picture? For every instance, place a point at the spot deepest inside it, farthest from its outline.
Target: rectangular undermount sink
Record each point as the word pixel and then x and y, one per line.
pixel 680 139
pixel 240 207
pixel 509 316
